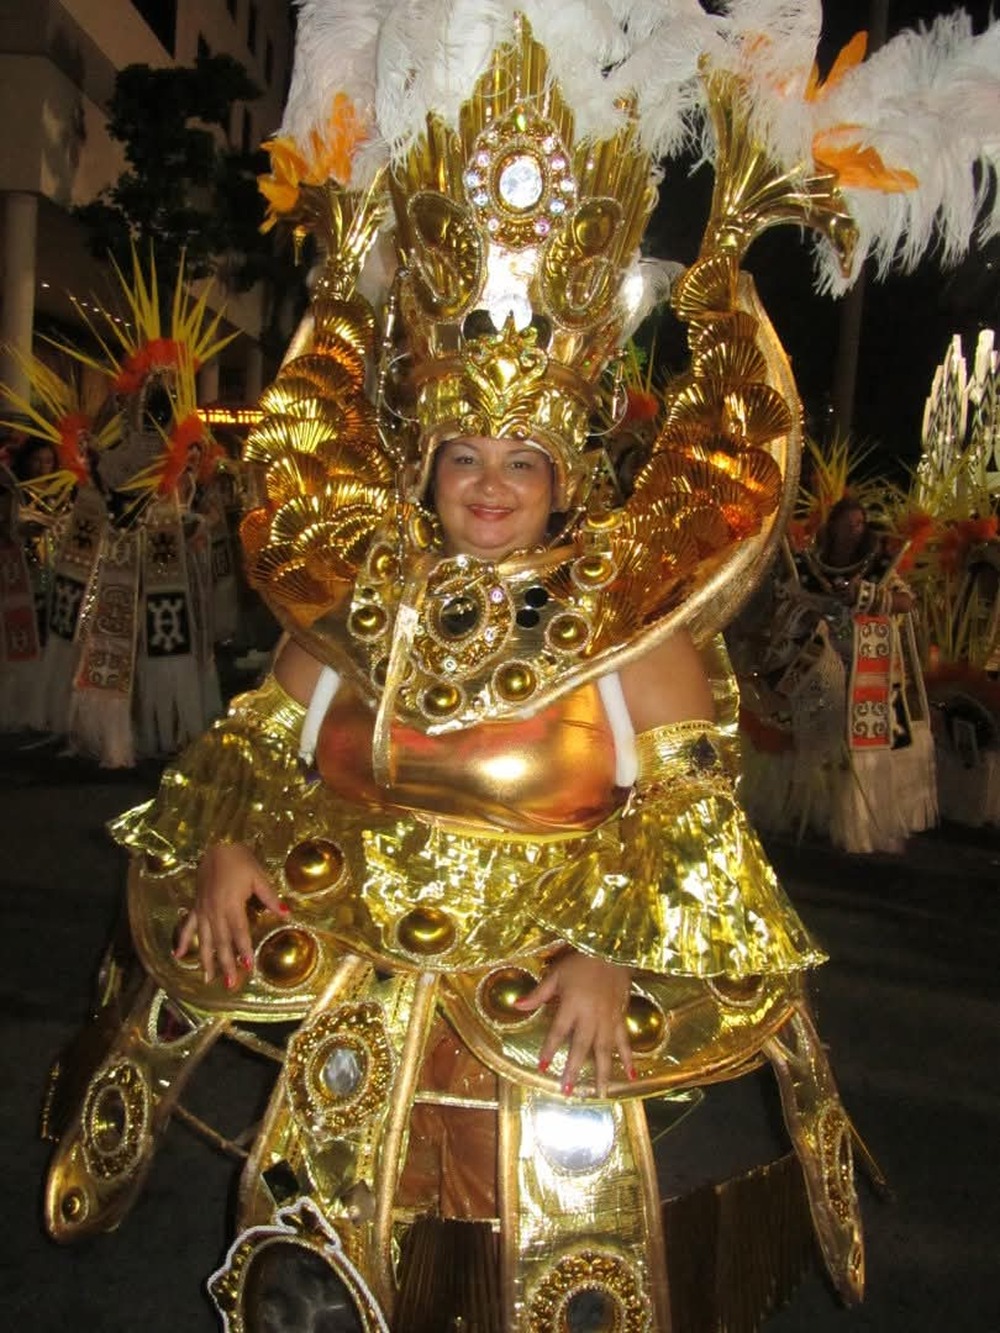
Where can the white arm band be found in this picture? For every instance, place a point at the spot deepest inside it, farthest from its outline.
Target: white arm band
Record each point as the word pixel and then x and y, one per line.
pixel 322 695
pixel 622 731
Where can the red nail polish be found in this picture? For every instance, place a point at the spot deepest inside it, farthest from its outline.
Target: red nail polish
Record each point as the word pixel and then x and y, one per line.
pixel 543 1066
pixel 246 960
pixel 567 1089
pixel 631 1073
pixel 229 982
pixel 284 909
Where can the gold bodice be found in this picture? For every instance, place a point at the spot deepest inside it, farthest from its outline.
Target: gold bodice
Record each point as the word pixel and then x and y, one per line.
pixel 550 773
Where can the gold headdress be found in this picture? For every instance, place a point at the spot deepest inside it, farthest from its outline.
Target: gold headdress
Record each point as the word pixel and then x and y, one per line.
pixel 516 239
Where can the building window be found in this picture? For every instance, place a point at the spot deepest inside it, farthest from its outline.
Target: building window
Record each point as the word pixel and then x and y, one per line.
pixel 268 62
pixel 161 16
pixel 252 29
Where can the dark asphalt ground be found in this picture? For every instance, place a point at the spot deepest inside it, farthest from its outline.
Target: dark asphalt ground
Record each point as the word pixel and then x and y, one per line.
pixel 907 1006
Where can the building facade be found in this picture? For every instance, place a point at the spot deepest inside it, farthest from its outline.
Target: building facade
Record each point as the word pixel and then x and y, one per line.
pixel 58 63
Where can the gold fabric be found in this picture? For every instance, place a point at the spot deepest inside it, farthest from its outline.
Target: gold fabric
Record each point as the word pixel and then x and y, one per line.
pixel 239 782
pixel 673 881
pixel 678 883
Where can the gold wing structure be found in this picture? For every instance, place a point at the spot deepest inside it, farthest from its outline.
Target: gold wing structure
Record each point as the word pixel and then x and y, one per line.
pixel 347 561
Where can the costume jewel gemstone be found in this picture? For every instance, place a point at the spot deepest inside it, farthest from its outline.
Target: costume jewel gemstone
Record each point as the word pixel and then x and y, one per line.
pixel 557 206
pixel 450 664
pixel 459 616
pixel 343 1070
pixel 574 1139
pixel 704 754
pixel 480 198
pixel 496 595
pixel 521 183
pixel 472 179
pixel 543 226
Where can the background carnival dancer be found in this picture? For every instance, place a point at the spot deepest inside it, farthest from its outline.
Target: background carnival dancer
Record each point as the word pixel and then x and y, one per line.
pixel 493 766
pixel 836 725
pixel 127 666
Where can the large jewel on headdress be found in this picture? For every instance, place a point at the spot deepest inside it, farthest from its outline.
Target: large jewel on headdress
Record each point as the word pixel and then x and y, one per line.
pixel 516 240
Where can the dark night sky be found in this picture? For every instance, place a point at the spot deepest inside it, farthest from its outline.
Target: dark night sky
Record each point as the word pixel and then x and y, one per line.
pixel 907 321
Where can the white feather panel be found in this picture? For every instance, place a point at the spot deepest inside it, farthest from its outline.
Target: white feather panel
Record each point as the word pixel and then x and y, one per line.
pixel 929 103
pixel 334 52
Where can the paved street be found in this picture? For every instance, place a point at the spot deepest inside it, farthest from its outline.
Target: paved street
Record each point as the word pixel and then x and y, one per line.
pixel 907 1006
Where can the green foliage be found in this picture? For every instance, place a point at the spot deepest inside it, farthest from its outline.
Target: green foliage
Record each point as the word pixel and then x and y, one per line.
pixel 184 192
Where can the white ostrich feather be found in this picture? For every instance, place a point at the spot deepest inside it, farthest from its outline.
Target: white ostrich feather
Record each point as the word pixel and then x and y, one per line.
pixel 334 53
pixel 929 103
pixel 668 41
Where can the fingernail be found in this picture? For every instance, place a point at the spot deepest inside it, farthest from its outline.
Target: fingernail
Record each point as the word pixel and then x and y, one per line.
pixel 567 1089
pixel 284 909
pixel 543 1065
pixel 631 1073
pixel 229 981
pixel 246 960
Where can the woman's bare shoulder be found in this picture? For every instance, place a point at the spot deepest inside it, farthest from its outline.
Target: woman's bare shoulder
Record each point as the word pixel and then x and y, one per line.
pixel 668 684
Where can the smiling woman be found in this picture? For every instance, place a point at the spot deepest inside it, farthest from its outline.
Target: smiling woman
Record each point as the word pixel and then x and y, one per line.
pixel 477 836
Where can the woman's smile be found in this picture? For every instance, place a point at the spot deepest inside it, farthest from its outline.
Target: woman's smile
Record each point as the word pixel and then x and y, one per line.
pixel 492 496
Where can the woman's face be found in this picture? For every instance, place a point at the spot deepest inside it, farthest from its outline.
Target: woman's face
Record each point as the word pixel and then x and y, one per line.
pixel 492 496
pixel 847 532
pixel 41 463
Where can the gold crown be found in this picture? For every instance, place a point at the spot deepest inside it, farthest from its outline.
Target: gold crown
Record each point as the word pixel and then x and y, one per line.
pixel 515 241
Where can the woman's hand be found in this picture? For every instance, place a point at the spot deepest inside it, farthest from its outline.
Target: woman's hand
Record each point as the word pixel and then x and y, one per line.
pixel 592 995
pixel 229 875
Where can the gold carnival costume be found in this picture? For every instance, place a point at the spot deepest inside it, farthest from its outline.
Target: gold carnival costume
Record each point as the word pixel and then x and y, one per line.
pixel 463 803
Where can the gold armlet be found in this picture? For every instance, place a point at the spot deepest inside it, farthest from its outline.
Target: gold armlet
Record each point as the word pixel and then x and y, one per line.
pixel 234 784
pixel 271 709
pixel 685 761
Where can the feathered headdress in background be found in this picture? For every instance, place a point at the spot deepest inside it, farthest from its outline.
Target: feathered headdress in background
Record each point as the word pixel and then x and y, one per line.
pixel 141 351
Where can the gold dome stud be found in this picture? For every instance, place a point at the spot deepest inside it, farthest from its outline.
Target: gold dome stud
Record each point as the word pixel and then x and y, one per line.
pixel 737 990
pixel 383 564
pixel 501 991
pixel 646 1024
pixel 365 622
pixel 568 633
pixel 314 865
pixel 73 1206
pixel 441 699
pixel 422 532
pixel 515 681
pixel 287 958
pixel 593 571
pixel 426 931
